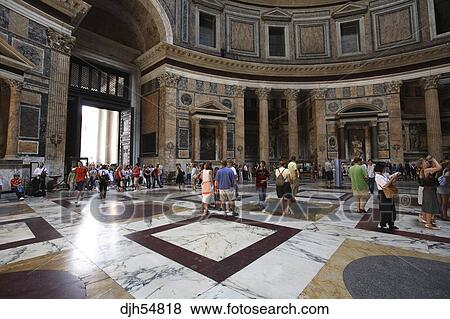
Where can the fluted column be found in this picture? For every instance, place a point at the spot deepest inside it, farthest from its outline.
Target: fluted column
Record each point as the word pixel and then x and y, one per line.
pixel 291 100
pixel 55 150
pixel 12 140
pixel 395 121
pixel 224 134
pixel 196 139
pixel 342 154
pixel 434 130
pixel 374 139
pixel 239 99
pixel 318 98
pixel 168 83
pixel 263 96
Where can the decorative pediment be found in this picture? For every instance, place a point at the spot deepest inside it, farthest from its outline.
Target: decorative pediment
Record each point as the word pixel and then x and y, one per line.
pixel 277 14
pixel 349 9
pixel 213 4
pixel 210 108
pixel 9 56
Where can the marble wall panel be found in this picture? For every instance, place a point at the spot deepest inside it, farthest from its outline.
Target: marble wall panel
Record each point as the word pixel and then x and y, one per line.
pixel 312 39
pixel 28 147
pixel 29 122
pixel 242 35
pixel 18 24
pixel 4 17
pixel 31 52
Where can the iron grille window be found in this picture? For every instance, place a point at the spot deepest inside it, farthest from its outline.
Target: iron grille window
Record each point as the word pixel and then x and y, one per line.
pixel 277 42
pixel 350 37
pixel 207 29
pixel 91 78
pixel 441 11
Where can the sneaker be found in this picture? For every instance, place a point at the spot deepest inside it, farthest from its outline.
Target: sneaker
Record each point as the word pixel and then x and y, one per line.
pixel 21 198
pixel 235 214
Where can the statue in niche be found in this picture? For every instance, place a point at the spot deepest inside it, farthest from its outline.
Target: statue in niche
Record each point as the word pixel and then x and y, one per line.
pixel 415 139
pixel 357 147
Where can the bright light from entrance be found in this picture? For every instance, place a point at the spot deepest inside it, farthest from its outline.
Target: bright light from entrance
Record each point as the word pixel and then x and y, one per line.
pixel 100 135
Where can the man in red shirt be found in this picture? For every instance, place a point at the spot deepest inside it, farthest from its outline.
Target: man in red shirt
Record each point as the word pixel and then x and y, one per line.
pixel 136 176
pixel 17 186
pixel 80 179
pixel 262 176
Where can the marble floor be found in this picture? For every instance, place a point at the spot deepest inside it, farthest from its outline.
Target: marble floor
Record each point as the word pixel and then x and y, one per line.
pixel 155 244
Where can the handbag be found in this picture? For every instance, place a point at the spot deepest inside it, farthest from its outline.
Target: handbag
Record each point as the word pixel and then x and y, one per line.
pixel 390 191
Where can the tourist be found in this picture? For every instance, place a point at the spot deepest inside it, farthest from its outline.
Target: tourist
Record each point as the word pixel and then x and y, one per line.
pixel 371 175
pixel 180 177
pixel 40 174
pixel 217 203
pixel 430 204
pixel 148 176
pixel 386 193
pixel 295 177
pixel 245 174
pixel 207 187
pixel 18 187
pixel 156 175
pixel 233 167
pixel 81 174
pixel 262 177
pixel 137 177
pixel 92 176
pixel 329 173
pixel 194 175
pixel 104 179
pixel 358 176
pixel 443 190
pixel 118 177
pixel 226 180
pixel 283 187
pixel 71 180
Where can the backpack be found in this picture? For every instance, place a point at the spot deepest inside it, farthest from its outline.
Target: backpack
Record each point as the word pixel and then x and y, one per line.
pixel 280 180
pixel 104 177
pixel 442 179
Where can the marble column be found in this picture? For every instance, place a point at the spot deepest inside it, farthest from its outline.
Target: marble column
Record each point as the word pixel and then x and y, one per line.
pixel 292 106
pixel 263 97
pixel 318 104
pixel 374 139
pixel 434 130
pixel 168 83
pixel 239 99
pixel 55 149
pixel 342 154
pixel 224 144
pixel 12 139
pixel 195 139
pixel 395 121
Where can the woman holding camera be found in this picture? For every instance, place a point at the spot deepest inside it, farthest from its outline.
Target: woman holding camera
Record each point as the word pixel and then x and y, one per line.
pixel 430 204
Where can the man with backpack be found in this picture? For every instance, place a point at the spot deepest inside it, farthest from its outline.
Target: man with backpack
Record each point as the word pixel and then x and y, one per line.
pixel 226 181
pixel 103 178
pixel 283 185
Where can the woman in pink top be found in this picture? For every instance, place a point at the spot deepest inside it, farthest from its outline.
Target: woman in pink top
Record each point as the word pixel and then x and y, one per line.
pixel 207 187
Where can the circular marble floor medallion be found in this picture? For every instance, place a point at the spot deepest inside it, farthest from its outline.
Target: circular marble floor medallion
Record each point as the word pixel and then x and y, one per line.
pixel 397 277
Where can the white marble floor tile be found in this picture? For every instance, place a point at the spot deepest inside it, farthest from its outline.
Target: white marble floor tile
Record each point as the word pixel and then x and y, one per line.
pixel 13 232
pixel 214 238
pixel 223 292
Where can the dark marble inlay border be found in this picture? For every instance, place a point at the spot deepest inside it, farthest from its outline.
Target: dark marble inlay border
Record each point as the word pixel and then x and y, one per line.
pixel 215 270
pixel 42 231
pixel 370 222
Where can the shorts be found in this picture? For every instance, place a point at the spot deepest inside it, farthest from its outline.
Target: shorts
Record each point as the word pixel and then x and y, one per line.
pixel 80 186
pixel 360 194
pixel 227 195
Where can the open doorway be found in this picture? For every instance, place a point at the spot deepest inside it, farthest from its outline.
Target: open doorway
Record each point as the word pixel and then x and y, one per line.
pixel 99 135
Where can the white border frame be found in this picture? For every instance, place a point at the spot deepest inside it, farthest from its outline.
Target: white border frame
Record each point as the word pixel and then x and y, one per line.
pixel 286 40
pixel 229 18
pixel 326 28
pixel 432 21
pixel 414 20
pixel 197 29
pixel 362 39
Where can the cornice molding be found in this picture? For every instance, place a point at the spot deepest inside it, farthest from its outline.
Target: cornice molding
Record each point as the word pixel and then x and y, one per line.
pixel 164 50
pixel 76 9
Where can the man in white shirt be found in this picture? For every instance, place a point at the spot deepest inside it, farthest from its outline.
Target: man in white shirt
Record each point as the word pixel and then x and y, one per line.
pixel 40 174
pixel 293 171
pixel 371 175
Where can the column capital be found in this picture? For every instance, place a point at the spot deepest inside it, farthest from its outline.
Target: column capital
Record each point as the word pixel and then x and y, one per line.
pixel 431 82
pixel 319 94
pixel 14 84
pixel 262 93
pixel 373 124
pixel 168 79
pixel 59 41
pixel 239 91
pixel 393 87
pixel 291 94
